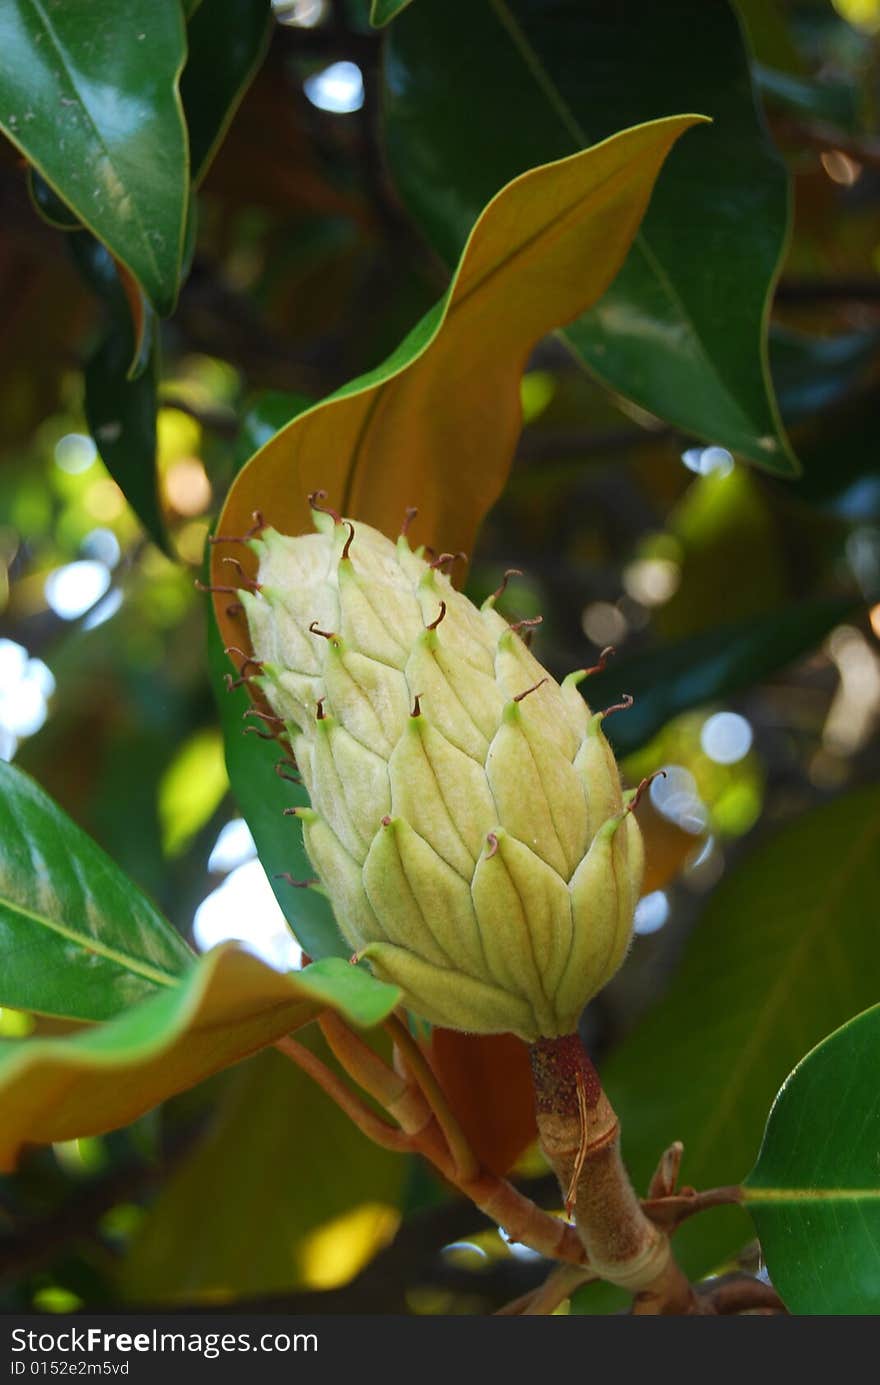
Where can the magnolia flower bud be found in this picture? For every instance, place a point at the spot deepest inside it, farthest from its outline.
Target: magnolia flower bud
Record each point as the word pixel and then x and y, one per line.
pixel 466 820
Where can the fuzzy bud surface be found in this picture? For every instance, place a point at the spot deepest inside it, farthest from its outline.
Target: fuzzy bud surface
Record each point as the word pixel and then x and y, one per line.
pixel 467 820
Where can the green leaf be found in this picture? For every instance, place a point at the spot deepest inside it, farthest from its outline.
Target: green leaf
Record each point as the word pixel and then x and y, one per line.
pixel 262 797
pixel 121 415
pixel 77 938
pixel 228 1005
pixel 546 247
pixel 785 950
pixel 814 1193
pixel 227 42
pixel 276 1134
pixel 383 11
pixel 690 347
pixel 706 667
pixel 88 93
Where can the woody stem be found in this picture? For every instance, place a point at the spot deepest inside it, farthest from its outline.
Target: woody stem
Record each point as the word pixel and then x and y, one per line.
pixel 580 1136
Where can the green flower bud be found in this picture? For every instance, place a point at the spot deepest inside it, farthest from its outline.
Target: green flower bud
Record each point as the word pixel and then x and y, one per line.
pixel 467 818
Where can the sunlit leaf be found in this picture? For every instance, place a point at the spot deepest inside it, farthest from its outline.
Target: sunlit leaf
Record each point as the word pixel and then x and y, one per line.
pixel 191 789
pixel 76 937
pixel 88 93
pixel 688 346
pixel 383 11
pixel 436 424
pixel 814 1193
pixel 227 1006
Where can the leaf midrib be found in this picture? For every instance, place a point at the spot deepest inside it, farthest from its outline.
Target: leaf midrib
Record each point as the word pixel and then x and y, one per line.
pixel 773 1195
pixel 91 944
pixel 572 125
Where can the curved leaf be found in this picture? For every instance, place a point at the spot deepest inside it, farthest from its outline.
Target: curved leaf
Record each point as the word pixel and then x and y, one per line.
pixel 785 950
pixel 77 938
pixel 227 41
pixel 229 1005
pixel 88 93
pixel 545 248
pixel 814 1193
pixel 689 346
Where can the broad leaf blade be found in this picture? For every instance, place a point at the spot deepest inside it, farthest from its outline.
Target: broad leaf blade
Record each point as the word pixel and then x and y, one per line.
pixel 546 247
pixel 229 1005
pixel 814 1193
pixel 88 93
pixel 785 951
pixel 77 937
pixel 689 346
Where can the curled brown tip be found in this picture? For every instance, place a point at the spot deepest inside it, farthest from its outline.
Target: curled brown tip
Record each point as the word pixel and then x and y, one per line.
pixel 263 716
pixel 528 624
pixel 409 515
pixel 607 653
pixel 623 705
pixel 493 845
pixel 319 709
pixel 250 582
pixel 247 660
pixel 637 796
pixel 233 683
pixel 511 572
pixel 387 820
pixel 255 731
pixel 218 591
pixel 316 501
pixel 314 629
pixel 258 524
pixel 348 542
pixel 287 771
pixel 435 623
pixel 519 697
pixel 289 812
pixel 297 884
pixel 447 559
pixel 417 706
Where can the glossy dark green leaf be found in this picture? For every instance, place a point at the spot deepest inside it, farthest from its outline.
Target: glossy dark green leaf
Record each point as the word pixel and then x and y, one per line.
pixel 262 797
pixel 534 81
pixel 814 1193
pixel 227 42
pixel 706 667
pixel 77 937
pixel 785 950
pixel 121 415
pixel 226 1006
pixel 275 1135
pixel 88 93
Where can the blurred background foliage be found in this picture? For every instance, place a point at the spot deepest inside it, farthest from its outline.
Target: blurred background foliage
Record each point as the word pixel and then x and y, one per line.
pixel 744 607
